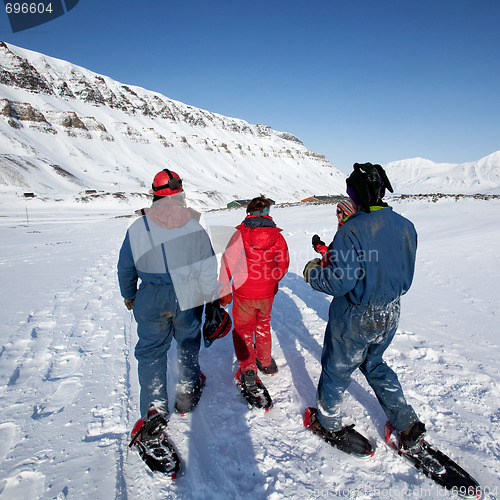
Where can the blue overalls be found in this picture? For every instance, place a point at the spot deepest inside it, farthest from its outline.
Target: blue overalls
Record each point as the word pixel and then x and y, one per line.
pixel 178 272
pixel 372 262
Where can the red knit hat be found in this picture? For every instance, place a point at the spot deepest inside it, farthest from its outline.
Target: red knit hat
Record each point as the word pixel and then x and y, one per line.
pixel 167 183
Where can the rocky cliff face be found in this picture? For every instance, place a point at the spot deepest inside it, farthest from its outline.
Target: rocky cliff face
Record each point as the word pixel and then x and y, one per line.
pixel 64 128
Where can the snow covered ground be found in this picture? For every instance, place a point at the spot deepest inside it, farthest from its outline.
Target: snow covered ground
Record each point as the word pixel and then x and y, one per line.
pixel 68 382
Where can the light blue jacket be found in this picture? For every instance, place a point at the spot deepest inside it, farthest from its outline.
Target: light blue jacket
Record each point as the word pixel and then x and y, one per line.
pixel 181 257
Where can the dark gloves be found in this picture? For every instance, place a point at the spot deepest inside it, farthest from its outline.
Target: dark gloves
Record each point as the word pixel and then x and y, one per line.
pixel 318 245
pixel 312 264
pixel 129 304
pixel 210 306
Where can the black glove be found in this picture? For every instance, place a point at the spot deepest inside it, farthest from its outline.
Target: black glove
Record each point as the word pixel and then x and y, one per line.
pixel 316 240
pixel 129 304
pixel 211 307
pixel 312 264
pixel 319 246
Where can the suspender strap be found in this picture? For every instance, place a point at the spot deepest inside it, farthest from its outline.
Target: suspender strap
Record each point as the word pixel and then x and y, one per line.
pixel 153 244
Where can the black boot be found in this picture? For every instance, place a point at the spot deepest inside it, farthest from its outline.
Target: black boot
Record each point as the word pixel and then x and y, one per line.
pixel 254 391
pixel 346 439
pixel 411 438
pixel 249 378
pixel 186 401
pixel 271 369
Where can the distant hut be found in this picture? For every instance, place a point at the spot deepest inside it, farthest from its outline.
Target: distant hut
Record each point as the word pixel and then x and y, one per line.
pixel 330 198
pixel 311 198
pixel 243 203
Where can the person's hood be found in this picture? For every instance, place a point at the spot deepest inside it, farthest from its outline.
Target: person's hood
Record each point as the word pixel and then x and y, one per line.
pixel 170 212
pixel 259 231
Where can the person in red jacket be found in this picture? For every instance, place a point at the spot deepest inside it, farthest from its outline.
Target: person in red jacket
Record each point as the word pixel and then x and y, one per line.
pixel 255 260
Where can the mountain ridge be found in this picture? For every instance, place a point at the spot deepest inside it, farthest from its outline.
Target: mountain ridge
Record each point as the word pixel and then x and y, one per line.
pixel 66 128
pixel 420 175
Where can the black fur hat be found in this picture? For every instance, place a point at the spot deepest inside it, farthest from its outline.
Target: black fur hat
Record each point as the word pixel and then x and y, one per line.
pixel 367 184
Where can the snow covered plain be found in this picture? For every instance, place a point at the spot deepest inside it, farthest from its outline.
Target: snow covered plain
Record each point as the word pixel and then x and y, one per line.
pixel 68 382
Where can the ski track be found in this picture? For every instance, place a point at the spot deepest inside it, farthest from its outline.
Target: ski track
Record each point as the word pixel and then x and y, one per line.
pixel 66 375
pixel 69 392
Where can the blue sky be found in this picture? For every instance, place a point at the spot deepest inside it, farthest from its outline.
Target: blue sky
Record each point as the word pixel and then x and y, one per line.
pixel 356 80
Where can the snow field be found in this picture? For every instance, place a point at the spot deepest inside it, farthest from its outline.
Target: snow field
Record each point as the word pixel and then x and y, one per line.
pixel 68 379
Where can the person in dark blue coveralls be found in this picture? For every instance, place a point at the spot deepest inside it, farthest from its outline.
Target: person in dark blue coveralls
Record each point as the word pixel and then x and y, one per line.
pixel 370 265
pixel 171 254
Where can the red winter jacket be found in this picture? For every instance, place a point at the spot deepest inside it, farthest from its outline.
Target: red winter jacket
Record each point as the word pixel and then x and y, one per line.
pixel 256 259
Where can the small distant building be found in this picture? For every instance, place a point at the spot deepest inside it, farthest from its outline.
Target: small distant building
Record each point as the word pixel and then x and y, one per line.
pixel 311 198
pixel 330 198
pixel 238 203
pixel 29 195
pixel 90 191
pixel 243 203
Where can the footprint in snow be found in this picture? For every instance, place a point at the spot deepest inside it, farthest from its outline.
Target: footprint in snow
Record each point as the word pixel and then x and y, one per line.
pixel 7 434
pixel 63 396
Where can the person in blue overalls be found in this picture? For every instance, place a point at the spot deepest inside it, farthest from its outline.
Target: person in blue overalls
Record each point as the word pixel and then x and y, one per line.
pixel 171 254
pixel 369 266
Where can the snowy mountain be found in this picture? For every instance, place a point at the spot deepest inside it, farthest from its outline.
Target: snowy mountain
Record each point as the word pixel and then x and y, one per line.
pixel 417 175
pixel 65 129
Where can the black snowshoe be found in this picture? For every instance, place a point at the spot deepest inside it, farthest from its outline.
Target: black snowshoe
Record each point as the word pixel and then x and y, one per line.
pixel 154 447
pixel 433 463
pixel 346 439
pixel 187 400
pixel 253 390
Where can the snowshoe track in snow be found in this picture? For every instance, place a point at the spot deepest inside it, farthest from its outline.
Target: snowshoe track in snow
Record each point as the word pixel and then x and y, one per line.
pixel 68 373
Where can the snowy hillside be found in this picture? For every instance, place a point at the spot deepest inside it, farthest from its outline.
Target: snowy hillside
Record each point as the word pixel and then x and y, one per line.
pixel 64 130
pixel 68 379
pixel 417 175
